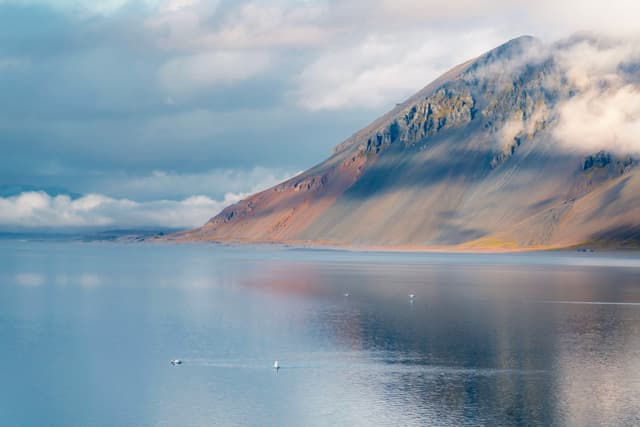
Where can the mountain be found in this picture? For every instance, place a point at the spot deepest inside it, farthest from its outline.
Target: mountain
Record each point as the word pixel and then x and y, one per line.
pixel 493 154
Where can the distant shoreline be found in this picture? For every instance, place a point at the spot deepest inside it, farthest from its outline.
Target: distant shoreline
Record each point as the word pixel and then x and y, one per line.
pixel 592 247
pixel 171 237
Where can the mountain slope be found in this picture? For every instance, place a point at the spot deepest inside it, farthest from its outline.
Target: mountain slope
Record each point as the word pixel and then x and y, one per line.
pixel 472 160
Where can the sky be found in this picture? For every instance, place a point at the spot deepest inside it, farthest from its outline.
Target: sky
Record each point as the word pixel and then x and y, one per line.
pixel 161 112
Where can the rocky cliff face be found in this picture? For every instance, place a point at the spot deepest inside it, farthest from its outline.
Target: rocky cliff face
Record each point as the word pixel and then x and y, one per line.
pixel 448 108
pixel 473 159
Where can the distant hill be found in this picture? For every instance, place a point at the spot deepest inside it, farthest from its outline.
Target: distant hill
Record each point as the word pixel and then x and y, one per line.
pixel 473 160
pixel 116 235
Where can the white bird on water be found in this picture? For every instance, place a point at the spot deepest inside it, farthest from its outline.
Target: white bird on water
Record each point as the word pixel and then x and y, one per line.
pixel 175 362
pixel 276 365
pixel 411 296
pixel 347 294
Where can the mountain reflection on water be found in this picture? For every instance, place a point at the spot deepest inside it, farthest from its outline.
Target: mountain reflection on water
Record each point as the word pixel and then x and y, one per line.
pixel 525 339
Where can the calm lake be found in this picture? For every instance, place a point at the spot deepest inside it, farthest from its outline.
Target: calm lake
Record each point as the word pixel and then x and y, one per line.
pixel 87 331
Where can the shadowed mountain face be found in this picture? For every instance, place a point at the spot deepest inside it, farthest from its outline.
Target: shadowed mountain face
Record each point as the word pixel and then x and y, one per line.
pixel 483 157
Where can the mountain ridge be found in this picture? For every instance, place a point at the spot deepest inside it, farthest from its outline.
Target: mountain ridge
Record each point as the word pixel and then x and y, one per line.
pixel 469 161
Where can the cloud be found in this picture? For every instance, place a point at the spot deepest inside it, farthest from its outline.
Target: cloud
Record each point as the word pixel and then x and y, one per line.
pixel 241 25
pixel 197 72
pixel 173 6
pixel 607 119
pixel 593 60
pixel 382 70
pixel 562 18
pixel 279 24
pixel 38 210
pixel 214 183
pixel 604 113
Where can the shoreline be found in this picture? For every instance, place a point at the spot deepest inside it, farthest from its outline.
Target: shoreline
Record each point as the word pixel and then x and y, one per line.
pixel 601 247
pixel 474 248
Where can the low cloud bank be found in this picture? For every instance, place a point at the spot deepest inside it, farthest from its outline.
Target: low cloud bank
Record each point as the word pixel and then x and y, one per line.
pixel 38 210
pixel 602 120
pixel 605 112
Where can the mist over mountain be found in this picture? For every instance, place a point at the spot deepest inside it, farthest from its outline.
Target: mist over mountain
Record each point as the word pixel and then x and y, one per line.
pixel 528 145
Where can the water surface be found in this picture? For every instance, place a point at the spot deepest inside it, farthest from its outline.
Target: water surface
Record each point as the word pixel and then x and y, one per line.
pixel 87 331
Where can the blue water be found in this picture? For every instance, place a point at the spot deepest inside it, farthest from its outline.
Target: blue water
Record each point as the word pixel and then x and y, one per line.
pixel 87 331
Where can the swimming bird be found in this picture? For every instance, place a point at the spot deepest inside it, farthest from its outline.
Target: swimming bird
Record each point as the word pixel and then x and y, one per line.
pixel 276 365
pixel 175 362
pixel 411 296
pixel 347 294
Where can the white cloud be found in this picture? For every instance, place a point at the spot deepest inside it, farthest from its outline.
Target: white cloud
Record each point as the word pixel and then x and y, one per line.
pixel 258 24
pixel 597 120
pixel 172 6
pixel 594 61
pixel 178 25
pixel 36 210
pixel 605 112
pixel 562 18
pixel 215 182
pixel 193 73
pixel 365 53
pixel 184 25
pixel 382 69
